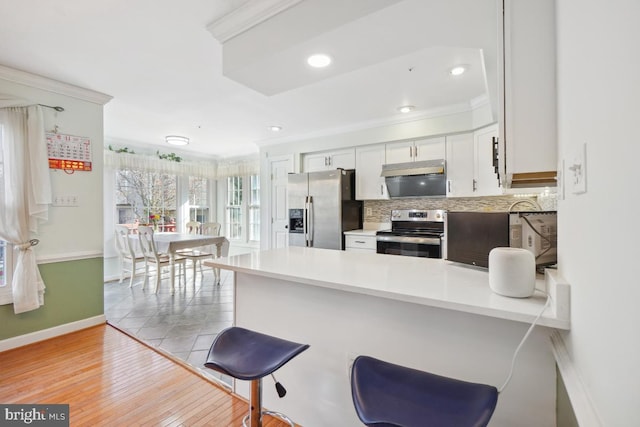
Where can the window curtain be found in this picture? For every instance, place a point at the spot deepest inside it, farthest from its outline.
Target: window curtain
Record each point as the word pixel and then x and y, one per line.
pixel 151 163
pixel 24 200
pixel 244 166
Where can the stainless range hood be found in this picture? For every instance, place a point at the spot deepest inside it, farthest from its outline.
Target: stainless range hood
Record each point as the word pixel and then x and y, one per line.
pixel 415 179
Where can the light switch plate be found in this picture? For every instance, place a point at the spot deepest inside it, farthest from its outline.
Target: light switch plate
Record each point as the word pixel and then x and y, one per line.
pixel 576 174
pixel 65 200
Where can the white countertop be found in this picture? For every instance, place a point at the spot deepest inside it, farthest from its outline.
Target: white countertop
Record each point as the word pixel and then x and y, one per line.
pixel 361 232
pixel 426 281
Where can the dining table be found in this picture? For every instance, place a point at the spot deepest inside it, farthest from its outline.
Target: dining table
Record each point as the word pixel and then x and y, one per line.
pixel 171 242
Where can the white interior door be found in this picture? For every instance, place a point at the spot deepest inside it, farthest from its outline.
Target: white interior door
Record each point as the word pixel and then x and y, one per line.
pixel 279 167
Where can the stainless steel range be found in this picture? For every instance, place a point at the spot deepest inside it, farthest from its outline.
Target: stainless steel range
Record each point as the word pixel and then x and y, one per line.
pixel 414 232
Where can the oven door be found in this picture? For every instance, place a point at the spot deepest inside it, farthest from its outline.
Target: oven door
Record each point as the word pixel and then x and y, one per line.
pixel 426 247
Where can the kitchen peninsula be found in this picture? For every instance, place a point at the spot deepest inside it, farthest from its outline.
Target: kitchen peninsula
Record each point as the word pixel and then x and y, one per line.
pixel 428 314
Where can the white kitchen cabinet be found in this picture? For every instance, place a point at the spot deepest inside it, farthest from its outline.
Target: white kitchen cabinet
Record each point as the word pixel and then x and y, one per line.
pixel 360 243
pixel 459 165
pixel 528 103
pixel 470 168
pixel 369 184
pixel 417 150
pixel 485 175
pixel 328 160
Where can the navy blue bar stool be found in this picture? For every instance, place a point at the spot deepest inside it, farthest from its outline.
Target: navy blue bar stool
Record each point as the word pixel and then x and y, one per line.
pixel 388 395
pixel 248 355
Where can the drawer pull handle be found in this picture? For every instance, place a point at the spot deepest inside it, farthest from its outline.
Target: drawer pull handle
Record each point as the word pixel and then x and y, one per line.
pixel 359 241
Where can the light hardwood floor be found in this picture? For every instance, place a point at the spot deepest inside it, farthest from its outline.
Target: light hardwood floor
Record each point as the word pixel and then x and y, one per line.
pixel 110 379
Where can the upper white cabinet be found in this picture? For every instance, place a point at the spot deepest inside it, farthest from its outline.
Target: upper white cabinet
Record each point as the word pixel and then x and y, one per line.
pixel 345 159
pixel 528 113
pixel 486 182
pixel 470 164
pixel 369 184
pixel 459 165
pixel 411 151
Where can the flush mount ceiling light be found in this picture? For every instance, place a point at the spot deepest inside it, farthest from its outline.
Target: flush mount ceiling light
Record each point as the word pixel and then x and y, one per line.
pixel 458 70
pixel 319 60
pixel 406 108
pixel 275 128
pixel 176 140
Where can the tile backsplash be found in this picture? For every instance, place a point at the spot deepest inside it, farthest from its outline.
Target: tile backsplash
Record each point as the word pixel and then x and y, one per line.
pixel 381 209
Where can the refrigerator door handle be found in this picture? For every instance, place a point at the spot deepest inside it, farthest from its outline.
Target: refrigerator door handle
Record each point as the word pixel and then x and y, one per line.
pixel 310 218
pixel 305 221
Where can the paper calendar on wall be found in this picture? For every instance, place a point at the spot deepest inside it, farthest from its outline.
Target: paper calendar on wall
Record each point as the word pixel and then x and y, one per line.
pixel 68 152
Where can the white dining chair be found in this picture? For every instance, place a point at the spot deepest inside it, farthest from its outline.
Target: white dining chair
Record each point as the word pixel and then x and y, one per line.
pixel 224 252
pixel 196 255
pixel 130 259
pixel 192 227
pixel 153 257
pixel 211 228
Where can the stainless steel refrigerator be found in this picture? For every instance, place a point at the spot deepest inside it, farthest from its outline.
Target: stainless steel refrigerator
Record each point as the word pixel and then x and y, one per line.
pixel 322 207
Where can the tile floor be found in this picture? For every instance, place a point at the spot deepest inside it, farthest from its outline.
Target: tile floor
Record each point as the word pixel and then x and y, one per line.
pixel 183 324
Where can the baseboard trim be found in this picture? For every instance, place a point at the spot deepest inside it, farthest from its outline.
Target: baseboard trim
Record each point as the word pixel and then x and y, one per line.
pixel 581 403
pixel 45 334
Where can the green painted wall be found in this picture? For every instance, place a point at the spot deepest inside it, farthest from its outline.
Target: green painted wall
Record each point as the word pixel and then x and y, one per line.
pixel 75 291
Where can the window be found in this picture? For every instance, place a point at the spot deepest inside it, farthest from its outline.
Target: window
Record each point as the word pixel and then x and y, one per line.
pixel 243 208
pixel 234 207
pixel 145 197
pixel 198 199
pixel 254 209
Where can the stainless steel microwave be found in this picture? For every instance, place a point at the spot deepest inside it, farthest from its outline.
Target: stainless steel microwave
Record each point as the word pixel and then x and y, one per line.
pixel 472 235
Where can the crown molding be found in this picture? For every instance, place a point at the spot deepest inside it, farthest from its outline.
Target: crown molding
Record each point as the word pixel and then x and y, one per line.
pixel 411 117
pixel 250 14
pixel 50 85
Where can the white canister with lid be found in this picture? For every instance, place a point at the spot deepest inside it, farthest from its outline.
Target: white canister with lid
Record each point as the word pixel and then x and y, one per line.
pixel 512 272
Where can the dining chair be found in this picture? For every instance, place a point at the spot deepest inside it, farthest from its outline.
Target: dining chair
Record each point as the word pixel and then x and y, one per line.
pixel 211 228
pixel 192 227
pixel 128 254
pixel 153 257
pixel 224 252
pixel 195 254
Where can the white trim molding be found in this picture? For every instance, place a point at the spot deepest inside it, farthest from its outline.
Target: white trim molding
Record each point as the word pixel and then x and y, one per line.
pixel 247 16
pixel 45 334
pixel 581 403
pixel 72 256
pixel 50 85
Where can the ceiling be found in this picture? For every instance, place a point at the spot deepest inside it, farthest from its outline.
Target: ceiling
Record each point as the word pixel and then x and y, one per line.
pixel 222 71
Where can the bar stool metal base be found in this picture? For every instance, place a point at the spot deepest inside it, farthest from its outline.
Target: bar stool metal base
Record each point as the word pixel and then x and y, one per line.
pixel 254 417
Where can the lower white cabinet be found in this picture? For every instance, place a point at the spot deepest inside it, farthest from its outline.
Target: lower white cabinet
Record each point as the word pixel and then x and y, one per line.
pixel 360 243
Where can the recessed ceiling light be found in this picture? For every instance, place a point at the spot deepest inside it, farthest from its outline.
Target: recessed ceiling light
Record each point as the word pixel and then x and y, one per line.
pixel 319 60
pixel 176 140
pixel 275 128
pixel 458 70
pixel 406 108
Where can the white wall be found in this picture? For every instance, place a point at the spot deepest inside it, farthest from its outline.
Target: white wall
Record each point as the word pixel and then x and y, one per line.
pixel 598 93
pixel 71 231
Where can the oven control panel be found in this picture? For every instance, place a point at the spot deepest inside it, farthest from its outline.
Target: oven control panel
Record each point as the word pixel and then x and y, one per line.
pixel 431 215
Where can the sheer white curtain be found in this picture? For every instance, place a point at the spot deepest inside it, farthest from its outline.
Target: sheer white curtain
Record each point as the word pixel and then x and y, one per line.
pixel 24 200
pixel 151 163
